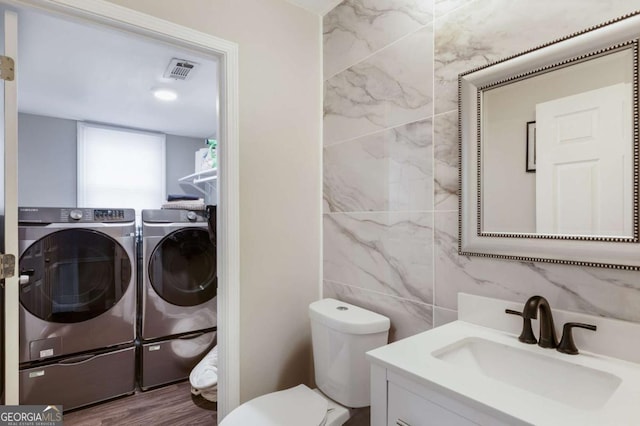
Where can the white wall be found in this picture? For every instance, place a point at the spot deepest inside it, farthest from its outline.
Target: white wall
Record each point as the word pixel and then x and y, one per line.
pixel 280 112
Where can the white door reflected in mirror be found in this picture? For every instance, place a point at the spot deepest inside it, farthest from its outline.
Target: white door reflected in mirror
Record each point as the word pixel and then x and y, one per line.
pixel 584 164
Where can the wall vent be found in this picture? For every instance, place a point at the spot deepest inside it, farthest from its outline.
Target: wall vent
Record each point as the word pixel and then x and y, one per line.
pixel 179 69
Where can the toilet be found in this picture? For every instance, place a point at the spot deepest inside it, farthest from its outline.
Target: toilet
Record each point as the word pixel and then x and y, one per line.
pixel 341 334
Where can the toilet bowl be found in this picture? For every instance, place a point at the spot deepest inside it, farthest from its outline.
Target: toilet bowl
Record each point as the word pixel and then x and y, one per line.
pixel 341 335
pixel 297 406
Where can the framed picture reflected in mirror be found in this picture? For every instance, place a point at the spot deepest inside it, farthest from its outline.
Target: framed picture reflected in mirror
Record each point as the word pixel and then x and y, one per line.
pixel 531 147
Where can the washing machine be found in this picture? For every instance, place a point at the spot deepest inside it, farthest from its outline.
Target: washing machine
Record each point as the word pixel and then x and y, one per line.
pixel 77 304
pixel 178 294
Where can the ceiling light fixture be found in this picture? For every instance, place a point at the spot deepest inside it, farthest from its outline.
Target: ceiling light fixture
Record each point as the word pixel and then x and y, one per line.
pixel 165 94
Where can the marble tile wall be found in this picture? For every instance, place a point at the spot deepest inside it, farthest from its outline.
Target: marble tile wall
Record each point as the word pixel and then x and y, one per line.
pixel 393 86
pixel 391 158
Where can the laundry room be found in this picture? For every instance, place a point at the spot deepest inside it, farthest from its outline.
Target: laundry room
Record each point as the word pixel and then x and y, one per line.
pixel 117 192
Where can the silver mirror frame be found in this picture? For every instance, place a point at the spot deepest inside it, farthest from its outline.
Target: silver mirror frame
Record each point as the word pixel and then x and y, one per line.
pixel 609 252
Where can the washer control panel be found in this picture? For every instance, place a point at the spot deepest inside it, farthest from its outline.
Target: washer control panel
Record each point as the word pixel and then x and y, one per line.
pixel 73 215
pixel 105 215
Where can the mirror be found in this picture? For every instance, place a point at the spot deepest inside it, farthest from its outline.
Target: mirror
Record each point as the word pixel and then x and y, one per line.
pixel 558 145
pixel 549 151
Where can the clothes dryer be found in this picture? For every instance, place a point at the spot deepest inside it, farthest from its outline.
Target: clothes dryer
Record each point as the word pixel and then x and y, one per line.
pixel 179 281
pixel 178 295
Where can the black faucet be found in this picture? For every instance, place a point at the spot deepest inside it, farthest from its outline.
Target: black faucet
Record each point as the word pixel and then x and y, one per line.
pixel 526 336
pixel 547 337
pixel 567 346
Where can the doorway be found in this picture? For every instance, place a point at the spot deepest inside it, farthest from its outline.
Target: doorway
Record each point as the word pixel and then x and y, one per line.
pixel 104 14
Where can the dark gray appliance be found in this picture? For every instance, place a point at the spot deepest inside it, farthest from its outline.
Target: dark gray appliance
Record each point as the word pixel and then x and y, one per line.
pixel 170 360
pixel 80 380
pixel 178 294
pixel 77 298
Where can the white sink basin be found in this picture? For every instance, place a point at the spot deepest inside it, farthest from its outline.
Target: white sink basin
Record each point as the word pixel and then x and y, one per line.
pixel 517 383
pixel 562 381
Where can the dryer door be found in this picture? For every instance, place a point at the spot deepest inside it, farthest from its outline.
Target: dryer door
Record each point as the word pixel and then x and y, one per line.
pixel 73 275
pixel 182 268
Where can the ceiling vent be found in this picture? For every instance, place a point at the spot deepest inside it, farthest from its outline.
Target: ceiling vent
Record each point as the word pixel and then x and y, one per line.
pixel 179 69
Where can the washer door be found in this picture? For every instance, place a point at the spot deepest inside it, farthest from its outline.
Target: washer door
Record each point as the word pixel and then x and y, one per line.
pixel 74 275
pixel 182 268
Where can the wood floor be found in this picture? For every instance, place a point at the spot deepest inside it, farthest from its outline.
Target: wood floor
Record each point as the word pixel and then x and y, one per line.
pixel 361 417
pixel 170 405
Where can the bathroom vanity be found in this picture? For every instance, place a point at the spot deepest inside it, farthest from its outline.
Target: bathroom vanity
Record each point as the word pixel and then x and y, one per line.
pixel 404 402
pixel 476 371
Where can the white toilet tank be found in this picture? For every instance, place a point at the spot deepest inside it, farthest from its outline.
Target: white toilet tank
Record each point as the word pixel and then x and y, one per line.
pixel 341 335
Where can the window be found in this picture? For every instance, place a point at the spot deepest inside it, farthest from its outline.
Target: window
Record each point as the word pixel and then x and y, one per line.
pixel 120 168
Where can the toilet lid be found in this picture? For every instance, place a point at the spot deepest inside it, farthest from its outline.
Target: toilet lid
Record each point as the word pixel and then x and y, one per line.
pixel 298 406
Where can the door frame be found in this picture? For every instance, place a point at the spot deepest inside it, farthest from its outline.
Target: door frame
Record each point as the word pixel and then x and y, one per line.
pixel 100 12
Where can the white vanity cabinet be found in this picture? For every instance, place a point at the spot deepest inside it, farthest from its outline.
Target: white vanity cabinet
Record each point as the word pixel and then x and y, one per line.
pixel 405 408
pixel 398 401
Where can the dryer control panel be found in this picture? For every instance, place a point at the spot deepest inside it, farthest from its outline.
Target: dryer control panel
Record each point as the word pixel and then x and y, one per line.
pixel 173 216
